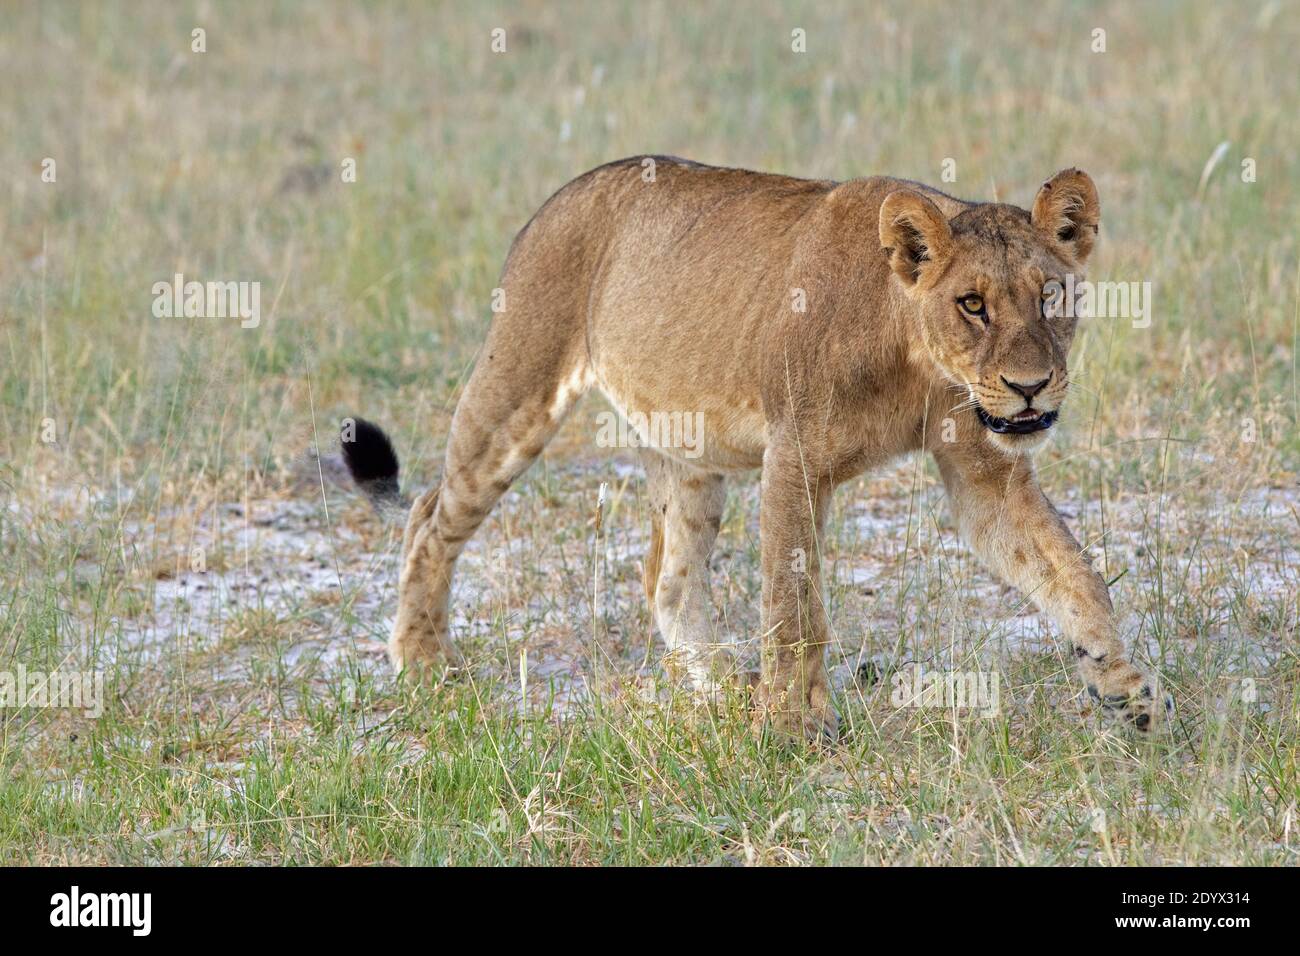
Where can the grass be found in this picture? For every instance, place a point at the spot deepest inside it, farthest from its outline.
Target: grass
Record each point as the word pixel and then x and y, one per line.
pixel 175 535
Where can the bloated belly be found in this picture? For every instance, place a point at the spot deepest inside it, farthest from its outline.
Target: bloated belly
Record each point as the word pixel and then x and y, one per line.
pixel 712 432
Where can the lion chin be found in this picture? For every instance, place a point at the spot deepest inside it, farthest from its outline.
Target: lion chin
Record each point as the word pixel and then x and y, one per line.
pixel 1020 444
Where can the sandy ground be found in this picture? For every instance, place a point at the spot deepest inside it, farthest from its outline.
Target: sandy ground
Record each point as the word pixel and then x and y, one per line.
pixel 316 569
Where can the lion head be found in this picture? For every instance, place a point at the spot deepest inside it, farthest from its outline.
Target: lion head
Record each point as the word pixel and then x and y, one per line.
pixel 986 285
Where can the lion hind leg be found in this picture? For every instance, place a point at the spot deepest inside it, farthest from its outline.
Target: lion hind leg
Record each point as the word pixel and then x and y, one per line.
pixel 513 404
pixel 687 509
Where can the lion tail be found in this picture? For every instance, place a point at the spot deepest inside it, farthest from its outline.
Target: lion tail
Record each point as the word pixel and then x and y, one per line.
pixel 372 463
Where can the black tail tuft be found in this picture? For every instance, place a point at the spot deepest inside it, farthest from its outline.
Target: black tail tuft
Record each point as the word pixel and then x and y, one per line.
pixel 371 460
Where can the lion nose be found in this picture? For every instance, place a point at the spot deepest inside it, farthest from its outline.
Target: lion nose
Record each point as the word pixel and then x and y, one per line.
pixel 1027 391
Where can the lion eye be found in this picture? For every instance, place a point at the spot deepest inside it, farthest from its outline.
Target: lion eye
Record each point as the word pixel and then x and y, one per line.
pixel 972 305
pixel 1053 302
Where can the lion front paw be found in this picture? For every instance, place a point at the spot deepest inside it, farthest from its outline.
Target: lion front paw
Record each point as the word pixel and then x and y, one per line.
pixel 809 714
pixel 423 656
pixel 1124 693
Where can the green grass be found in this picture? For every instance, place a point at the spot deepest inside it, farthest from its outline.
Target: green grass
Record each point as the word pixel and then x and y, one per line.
pixel 221 742
pixel 455 780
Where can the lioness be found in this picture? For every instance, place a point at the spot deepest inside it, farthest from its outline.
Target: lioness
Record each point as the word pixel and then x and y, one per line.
pixel 820 329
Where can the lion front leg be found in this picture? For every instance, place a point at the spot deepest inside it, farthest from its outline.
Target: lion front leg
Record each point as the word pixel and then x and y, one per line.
pixel 793 693
pixel 1009 523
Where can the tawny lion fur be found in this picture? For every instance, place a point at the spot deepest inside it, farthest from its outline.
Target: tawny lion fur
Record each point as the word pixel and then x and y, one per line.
pixel 821 329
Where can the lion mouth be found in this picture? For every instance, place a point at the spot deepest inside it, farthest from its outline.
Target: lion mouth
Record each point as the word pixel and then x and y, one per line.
pixel 1024 423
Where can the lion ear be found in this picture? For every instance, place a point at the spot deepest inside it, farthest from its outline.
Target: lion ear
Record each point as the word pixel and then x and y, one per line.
pixel 914 234
pixel 1067 211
